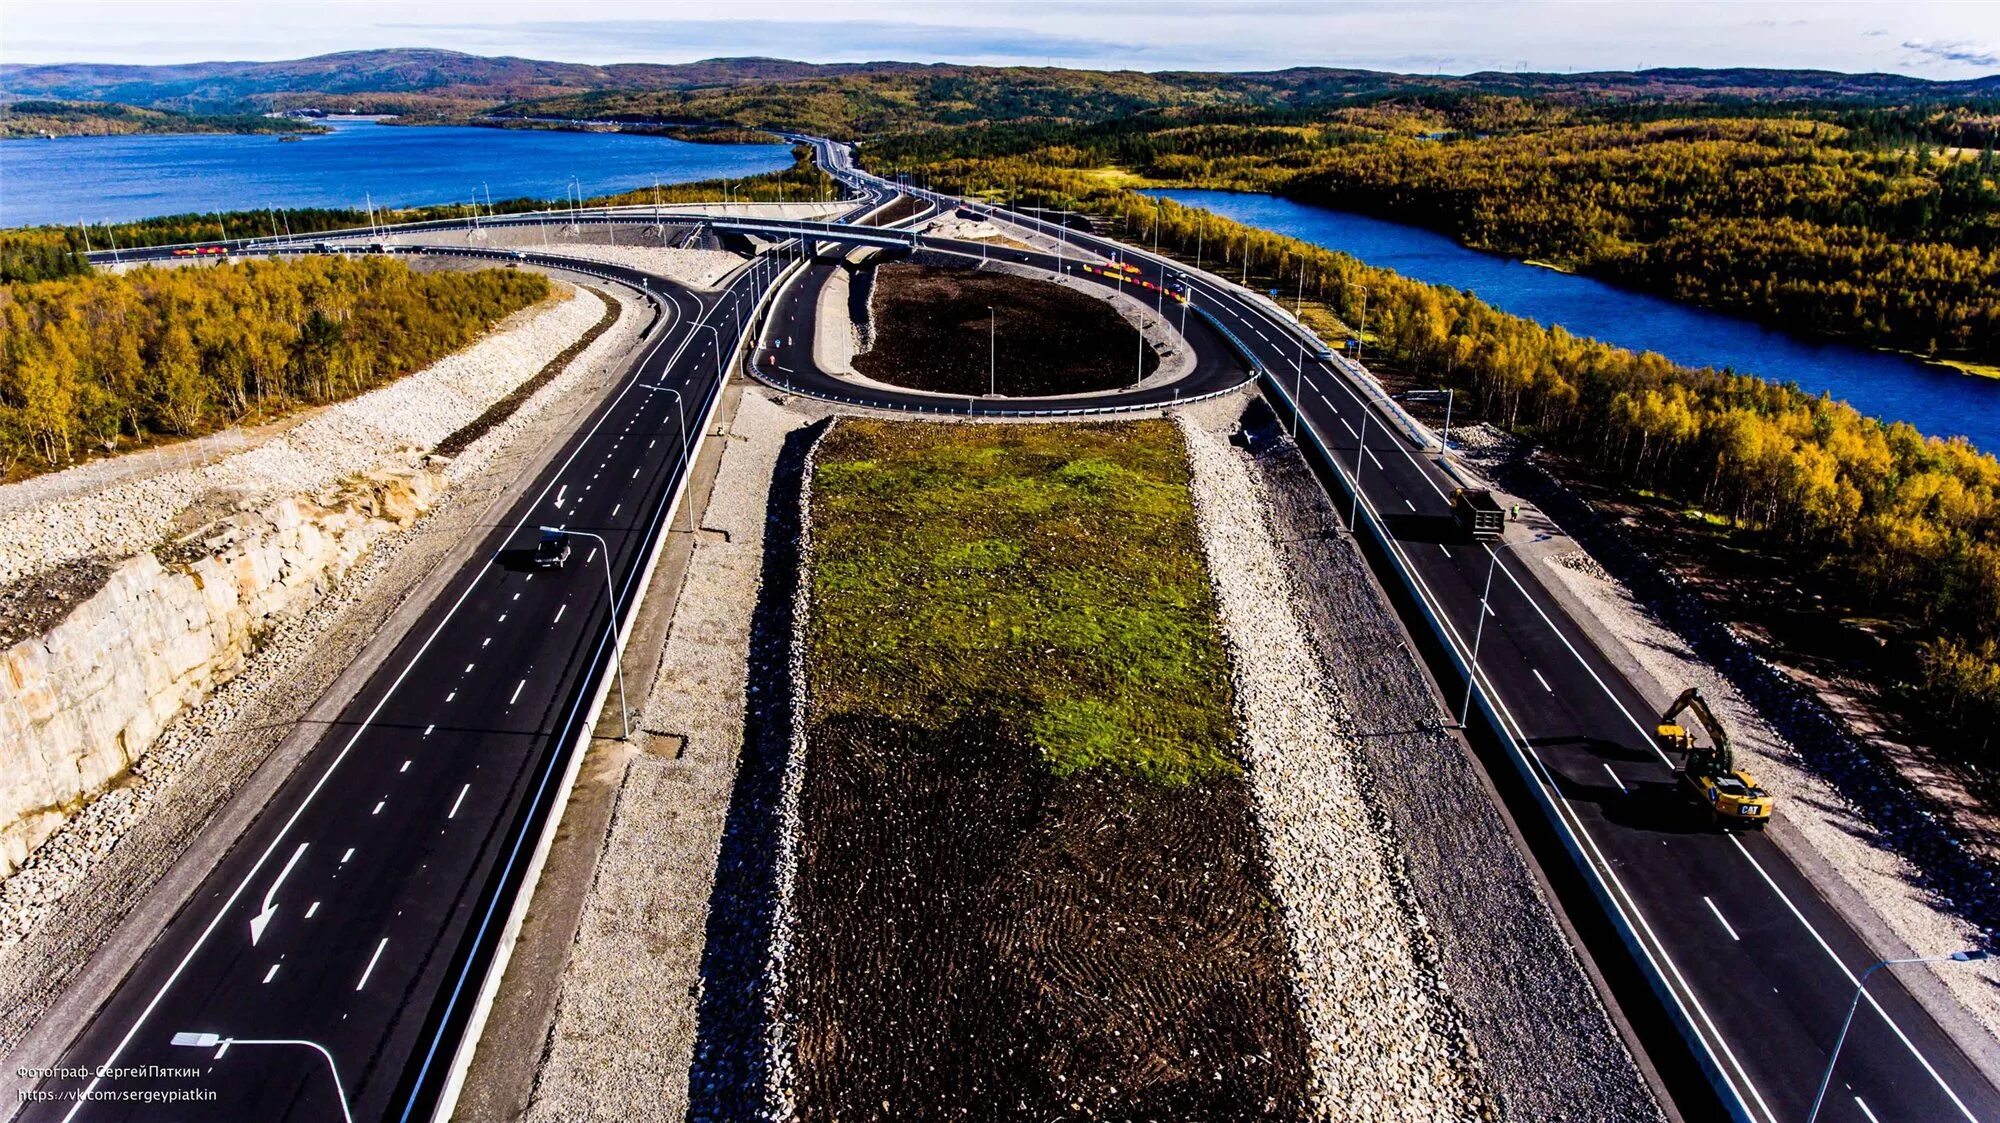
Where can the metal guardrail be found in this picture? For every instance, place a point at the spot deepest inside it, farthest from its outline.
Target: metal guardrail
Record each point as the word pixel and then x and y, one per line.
pixel 1256 368
pixel 1533 773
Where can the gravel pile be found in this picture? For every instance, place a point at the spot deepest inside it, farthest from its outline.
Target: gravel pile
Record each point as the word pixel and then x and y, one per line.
pixel 1387 1042
pixel 1576 561
pixel 1546 1045
pixel 81 882
pixel 414 413
pixel 781 1052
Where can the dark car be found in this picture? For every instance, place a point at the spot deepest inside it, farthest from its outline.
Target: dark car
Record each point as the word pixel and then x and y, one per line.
pixel 552 550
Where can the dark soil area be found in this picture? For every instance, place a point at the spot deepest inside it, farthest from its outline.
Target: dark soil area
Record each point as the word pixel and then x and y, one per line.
pixel 979 939
pixel 31 605
pixel 932 328
pixel 1030 884
pixel 902 208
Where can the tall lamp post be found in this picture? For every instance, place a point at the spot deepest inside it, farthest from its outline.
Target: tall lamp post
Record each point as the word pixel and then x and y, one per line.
pixel 221 1045
pixel 680 415
pixel 617 634
pixel 1478 633
pixel 1969 956
pixel 992 353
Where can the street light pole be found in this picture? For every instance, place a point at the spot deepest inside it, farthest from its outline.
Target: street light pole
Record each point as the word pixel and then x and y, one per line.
pixel 221 1045
pixel 1360 462
pixel 1969 956
pixel 1361 339
pixel 680 413
pixel 1472 668
pixel 992 354
pixel 617 633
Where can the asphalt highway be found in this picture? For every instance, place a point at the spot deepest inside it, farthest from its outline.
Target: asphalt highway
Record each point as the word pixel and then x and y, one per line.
pixel 360 911
pixel 1754 962
pixel 422 791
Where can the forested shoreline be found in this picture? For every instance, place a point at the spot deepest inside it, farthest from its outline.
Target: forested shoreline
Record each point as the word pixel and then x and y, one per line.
pixel 95 364
pixel 1879 226
pixel 1909 523
pixel 37 253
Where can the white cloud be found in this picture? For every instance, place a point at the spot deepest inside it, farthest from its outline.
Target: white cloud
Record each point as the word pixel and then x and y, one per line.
pixel 1933 38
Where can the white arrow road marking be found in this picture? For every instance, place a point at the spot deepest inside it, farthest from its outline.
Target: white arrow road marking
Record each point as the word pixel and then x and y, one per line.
pixel 258 922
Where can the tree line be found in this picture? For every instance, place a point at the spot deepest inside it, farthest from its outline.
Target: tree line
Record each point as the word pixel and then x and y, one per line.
pixel 94 363
pixel 1877 230
pixel 1909 523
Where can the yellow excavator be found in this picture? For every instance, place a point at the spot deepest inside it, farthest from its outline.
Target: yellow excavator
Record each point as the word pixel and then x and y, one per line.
pixel 1709 771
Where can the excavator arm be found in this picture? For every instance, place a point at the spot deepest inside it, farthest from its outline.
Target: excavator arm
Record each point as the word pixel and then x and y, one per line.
pixel 1722 754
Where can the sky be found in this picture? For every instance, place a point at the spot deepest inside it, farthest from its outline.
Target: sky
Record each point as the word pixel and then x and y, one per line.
pixel 1925 38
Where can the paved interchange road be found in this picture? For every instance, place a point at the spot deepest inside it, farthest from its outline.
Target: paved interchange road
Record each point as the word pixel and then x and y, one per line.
pixel 362 909
pixel 391 858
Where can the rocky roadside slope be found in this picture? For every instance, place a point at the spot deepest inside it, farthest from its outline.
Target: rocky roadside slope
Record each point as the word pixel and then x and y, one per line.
pixel 79 518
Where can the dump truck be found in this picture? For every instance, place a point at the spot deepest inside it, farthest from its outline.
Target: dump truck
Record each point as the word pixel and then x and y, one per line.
pixel 1708 772
pixel 1479 515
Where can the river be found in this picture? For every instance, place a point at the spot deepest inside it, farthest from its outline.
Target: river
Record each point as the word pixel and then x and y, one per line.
pixel 115 178
pixel 1936 400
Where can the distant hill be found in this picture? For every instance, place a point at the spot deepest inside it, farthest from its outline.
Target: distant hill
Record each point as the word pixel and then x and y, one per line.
pixel 439 82
pixel 31 117
pixel 388 80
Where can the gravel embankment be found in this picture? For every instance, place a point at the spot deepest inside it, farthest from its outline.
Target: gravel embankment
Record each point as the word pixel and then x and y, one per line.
pixel 1388 1042
pixel 624 1035
pixel 82 882
pixel 699 269
pixel 1543 1037
pixel 132 513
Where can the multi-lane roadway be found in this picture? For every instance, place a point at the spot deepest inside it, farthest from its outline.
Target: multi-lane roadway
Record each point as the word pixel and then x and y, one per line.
pixel 1751 962
pixel 360 912
pixel 356 921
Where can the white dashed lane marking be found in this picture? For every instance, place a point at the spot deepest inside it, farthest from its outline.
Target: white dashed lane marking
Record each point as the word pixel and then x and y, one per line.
pixel 370 969
pixel 1720 919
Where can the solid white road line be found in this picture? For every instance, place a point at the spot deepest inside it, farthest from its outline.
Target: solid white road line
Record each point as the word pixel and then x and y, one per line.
pixel 1720 919
pixel 453 813
pixel 370 969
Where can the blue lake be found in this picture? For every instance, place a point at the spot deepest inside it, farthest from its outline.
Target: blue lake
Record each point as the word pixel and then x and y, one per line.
pixel 1936 400
pixel 97 179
